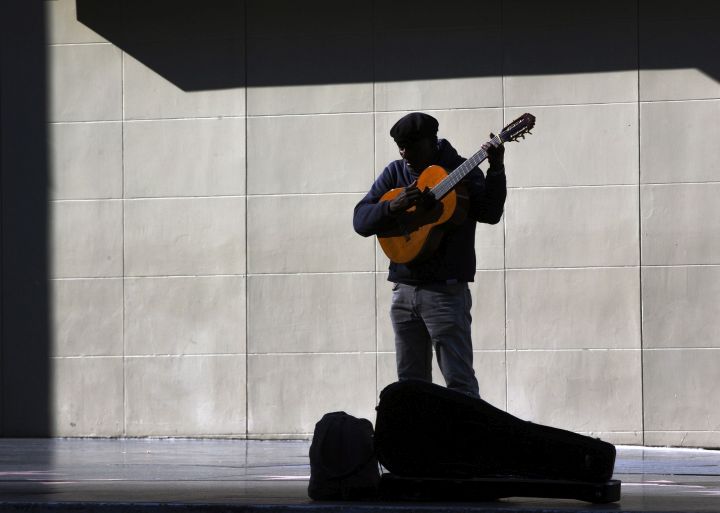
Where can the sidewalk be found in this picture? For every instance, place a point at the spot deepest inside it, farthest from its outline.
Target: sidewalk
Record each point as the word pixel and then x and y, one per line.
pixel 108 476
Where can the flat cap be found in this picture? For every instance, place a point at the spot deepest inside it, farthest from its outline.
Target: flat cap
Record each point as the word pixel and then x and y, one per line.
pixel 413 127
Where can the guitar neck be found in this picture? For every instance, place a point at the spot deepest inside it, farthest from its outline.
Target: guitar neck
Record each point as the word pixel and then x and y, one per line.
pixel 454 178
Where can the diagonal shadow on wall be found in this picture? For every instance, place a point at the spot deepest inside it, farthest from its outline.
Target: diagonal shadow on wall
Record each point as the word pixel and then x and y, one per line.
pixel 205 45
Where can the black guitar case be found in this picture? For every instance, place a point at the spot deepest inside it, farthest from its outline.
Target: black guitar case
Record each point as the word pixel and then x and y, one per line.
pixel 429 432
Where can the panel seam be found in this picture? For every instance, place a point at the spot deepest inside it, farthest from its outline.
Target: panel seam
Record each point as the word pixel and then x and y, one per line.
pixel 122 213
pixel 373 36
pixel 245 235
pixel 639 196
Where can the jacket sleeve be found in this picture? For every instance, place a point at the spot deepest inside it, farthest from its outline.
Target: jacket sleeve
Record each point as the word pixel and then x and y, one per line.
pixel 487 195
pixel 371 216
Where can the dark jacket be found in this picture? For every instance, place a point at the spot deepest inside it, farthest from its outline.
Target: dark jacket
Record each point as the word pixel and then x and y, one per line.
pixel 454 259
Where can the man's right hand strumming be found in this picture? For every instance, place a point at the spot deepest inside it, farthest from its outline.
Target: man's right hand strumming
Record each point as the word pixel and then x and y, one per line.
pixel 406 199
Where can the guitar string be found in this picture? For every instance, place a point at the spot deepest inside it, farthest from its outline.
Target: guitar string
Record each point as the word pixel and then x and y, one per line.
pixel 451 180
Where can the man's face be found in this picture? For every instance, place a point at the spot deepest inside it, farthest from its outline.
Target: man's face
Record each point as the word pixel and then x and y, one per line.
pixel 418 154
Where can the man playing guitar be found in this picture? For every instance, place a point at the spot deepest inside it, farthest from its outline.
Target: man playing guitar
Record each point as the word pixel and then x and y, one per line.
pixel 431 301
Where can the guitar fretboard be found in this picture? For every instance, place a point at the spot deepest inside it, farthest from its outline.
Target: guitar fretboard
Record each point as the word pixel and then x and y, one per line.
pixel 450 181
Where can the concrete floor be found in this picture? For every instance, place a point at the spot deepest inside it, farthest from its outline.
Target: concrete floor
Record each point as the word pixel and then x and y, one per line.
pixel 110 476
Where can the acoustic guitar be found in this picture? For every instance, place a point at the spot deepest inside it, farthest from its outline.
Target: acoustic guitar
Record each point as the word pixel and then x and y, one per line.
pixel 444 202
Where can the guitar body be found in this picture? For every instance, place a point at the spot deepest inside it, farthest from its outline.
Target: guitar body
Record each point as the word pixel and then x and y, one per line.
pixel 420 228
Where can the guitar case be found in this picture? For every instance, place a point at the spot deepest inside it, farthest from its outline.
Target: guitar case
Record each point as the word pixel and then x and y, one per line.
pixel 433 437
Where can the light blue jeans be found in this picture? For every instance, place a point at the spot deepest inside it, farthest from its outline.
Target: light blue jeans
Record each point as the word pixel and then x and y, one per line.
pixel 434 315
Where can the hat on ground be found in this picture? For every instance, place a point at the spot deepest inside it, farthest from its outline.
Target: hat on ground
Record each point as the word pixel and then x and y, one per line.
pixel 413 127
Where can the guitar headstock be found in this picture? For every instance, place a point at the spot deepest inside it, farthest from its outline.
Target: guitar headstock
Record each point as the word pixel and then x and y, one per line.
pixel 518 128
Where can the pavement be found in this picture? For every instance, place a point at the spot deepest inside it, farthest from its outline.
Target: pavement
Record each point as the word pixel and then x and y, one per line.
pixel 233 476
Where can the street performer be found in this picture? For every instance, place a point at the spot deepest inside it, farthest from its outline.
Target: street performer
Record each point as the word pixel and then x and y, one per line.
pixel 431 300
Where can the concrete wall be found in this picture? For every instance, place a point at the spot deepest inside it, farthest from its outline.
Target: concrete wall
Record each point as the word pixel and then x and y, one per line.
pixel 204 162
